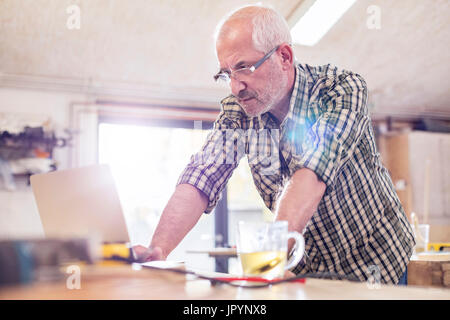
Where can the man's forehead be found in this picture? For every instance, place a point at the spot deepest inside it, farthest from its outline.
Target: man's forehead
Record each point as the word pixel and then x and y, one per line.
pixel 234 33
pixel 235 28
pixel 232 56
pixel 231 34
pixel 234 42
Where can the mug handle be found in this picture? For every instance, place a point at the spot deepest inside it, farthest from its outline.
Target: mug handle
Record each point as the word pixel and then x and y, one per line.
pixel 298 250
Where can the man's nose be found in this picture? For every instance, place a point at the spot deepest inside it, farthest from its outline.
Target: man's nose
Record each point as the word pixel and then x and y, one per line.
pixel 237 86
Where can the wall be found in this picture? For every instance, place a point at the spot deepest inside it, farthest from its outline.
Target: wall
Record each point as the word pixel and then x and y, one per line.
pixel 18 212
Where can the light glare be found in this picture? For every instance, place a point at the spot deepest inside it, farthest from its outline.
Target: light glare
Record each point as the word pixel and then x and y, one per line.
pixel 318 20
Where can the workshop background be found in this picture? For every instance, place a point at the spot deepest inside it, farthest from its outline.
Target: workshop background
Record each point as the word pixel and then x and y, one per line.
pixel 129 83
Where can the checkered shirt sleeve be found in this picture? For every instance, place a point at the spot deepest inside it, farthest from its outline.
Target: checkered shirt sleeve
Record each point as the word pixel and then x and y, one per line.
pixel 210 169
pixel 328 144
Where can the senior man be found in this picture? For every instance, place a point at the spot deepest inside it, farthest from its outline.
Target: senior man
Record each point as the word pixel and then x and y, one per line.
pixel 330 184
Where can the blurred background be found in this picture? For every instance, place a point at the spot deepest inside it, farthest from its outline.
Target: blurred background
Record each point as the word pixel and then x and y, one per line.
pixel 129 83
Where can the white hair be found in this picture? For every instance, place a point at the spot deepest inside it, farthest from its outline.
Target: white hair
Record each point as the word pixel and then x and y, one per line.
pixel 270 29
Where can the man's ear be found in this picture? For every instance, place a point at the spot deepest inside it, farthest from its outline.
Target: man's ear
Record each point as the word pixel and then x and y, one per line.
pixel 286 54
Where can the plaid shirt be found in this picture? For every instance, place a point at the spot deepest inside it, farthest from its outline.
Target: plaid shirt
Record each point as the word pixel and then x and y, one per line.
pixel 360 227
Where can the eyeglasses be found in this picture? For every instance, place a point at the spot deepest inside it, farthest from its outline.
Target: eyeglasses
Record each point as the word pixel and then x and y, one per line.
pixel 243 70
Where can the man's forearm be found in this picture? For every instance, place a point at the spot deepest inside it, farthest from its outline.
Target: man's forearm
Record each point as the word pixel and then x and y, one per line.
pixel 179 216
pixel 300 199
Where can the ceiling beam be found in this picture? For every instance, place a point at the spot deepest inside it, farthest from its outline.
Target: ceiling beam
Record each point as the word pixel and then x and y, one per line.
pixel 298 12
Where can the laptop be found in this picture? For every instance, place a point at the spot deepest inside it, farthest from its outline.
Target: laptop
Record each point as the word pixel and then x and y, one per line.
pixel 80 202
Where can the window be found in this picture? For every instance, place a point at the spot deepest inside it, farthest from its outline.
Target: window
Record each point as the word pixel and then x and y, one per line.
pixel 146 162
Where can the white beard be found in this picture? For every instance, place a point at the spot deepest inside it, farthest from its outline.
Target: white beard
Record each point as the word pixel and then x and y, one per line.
pixel 274 93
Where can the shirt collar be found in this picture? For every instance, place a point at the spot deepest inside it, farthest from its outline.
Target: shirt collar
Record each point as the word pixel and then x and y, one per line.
pixel 296 101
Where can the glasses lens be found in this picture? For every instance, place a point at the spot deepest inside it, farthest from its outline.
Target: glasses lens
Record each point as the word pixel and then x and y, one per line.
pixel 242 72
pixel 222 77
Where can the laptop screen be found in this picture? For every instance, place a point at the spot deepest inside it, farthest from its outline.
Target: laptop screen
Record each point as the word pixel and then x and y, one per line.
pixel 80 202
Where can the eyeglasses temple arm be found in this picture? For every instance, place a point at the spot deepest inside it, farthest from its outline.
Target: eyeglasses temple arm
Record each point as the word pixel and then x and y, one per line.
pixel 260 62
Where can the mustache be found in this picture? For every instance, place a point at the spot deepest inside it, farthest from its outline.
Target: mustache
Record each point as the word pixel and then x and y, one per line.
pixel 244 95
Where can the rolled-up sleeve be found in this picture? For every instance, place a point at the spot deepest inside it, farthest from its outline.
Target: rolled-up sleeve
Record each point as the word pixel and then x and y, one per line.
pixel 210 169
pixel 330 141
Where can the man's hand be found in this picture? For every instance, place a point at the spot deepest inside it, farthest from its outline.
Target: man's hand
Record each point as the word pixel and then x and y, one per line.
pixel 144 254
pixel 288 274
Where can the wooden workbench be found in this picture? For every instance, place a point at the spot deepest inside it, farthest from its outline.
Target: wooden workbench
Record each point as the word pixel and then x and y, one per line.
pixel 430 269
pixel 123 282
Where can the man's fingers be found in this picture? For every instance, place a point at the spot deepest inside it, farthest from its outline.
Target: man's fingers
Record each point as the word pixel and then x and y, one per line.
pixel 288 274
pixel 139 253
pixel 144 254
pixel 155 254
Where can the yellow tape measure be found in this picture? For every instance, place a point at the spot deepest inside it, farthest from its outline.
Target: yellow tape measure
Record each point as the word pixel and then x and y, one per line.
pixel 117 252
pixel 439 246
